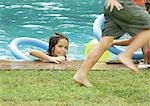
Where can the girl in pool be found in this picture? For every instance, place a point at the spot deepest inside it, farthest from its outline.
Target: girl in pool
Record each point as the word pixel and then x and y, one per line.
pixel 58 48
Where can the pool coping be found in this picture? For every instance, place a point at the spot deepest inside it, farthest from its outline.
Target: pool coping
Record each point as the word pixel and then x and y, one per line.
pixel 70 65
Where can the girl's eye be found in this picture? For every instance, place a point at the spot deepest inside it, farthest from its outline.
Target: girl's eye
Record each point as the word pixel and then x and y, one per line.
pixel 60 46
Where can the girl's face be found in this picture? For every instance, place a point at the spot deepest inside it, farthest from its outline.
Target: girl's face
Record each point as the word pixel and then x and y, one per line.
pixel 61 48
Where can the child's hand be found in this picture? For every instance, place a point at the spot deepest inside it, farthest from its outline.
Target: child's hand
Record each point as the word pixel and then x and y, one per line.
pixel 112 4
pixel 56 60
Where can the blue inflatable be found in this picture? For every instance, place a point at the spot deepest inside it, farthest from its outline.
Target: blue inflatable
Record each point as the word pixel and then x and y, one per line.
pixel 28 41
pixel 97 30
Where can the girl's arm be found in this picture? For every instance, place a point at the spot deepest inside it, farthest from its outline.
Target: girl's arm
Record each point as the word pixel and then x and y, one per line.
pixel 46 57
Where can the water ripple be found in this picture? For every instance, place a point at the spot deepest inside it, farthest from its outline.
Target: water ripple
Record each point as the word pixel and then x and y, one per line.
pixel 35 26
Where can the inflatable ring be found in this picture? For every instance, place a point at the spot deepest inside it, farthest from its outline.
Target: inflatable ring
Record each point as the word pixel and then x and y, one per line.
pixel 25 40
pixel 97 30
pixel 89 46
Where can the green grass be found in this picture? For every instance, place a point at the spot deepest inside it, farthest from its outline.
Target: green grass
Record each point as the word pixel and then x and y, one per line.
pixel 56 87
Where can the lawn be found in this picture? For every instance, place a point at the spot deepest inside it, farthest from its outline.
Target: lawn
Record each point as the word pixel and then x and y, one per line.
pixel 56 87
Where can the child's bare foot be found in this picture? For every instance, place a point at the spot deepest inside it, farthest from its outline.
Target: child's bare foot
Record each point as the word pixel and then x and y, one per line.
pixel 81 81
pixel 126 60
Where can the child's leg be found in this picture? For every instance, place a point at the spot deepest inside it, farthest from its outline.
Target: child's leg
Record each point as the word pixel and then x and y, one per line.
pixel 145 48
pixel 81 75
pixel 140 39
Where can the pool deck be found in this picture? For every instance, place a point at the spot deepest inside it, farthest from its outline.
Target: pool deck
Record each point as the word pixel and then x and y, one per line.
pixel 73 65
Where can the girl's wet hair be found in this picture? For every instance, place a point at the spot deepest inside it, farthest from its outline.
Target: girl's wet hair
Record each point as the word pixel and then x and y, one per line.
pixel 53 41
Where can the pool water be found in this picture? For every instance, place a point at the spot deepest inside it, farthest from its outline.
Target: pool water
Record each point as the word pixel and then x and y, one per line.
pixel 40 18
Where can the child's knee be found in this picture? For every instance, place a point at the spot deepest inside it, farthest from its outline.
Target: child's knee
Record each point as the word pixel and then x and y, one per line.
pixel 106 43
